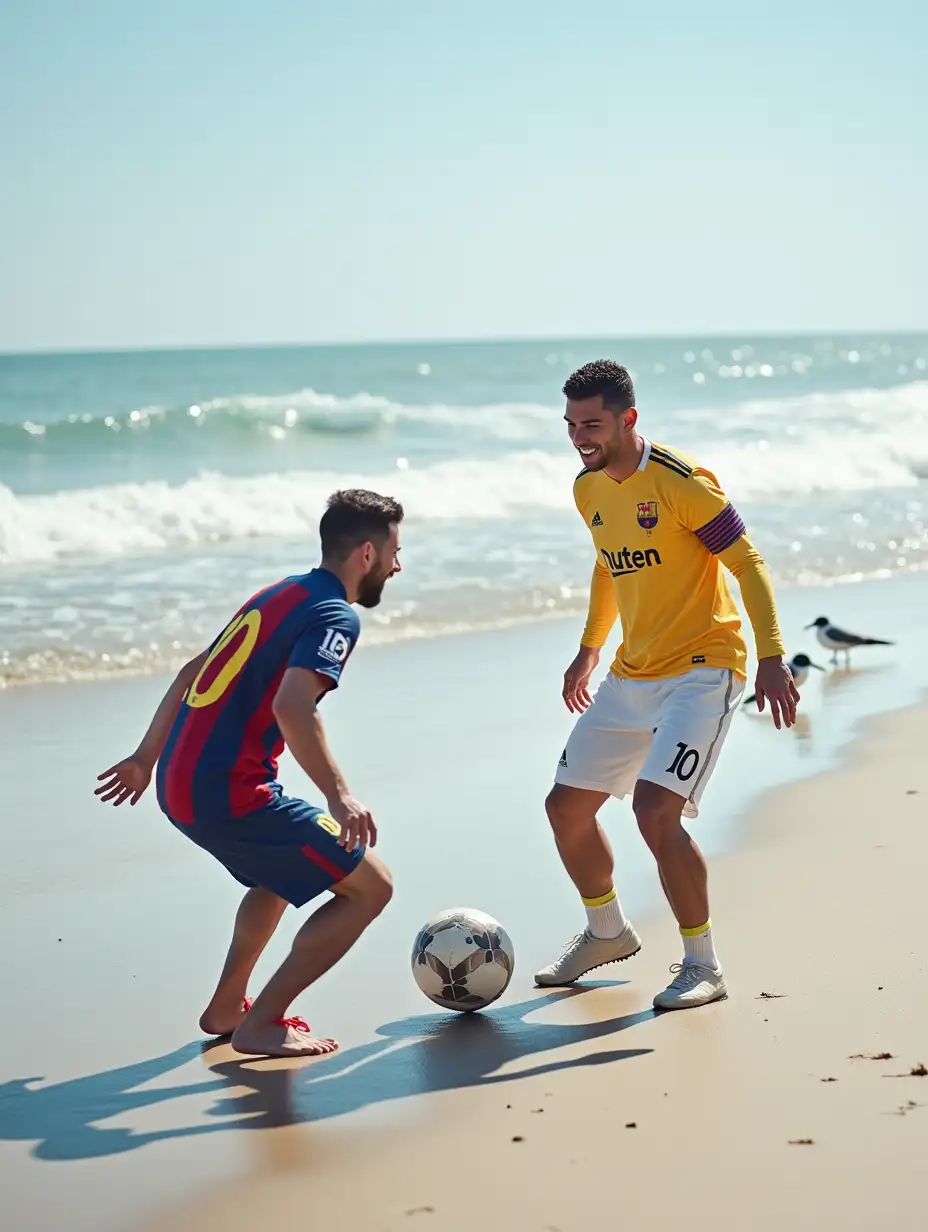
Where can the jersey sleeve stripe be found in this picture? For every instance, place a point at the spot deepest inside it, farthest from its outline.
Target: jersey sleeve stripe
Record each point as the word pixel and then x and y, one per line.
pixel 664 455
pixel 725 529
pixel 677 468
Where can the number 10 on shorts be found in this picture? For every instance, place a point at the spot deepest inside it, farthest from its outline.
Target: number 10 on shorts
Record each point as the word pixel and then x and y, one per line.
pixel 685 763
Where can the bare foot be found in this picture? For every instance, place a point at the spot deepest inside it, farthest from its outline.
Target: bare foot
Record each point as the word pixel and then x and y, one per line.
pixel 219 1020
pixel 288 1037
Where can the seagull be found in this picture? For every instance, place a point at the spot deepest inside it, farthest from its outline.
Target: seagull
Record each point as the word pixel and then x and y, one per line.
pixel 799 670
pixel 835 639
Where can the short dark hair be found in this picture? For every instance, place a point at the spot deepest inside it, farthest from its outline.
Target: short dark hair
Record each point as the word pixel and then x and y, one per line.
pixel 352 517
pixel 602 378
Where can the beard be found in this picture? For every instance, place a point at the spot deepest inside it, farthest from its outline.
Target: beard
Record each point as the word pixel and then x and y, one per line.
pixel 370 588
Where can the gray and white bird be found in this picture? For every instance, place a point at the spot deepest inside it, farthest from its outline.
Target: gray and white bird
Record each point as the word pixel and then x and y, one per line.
pixel 799 666
pixel 835 639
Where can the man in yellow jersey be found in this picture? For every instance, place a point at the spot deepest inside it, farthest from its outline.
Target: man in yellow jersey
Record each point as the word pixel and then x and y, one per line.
pixel 662 529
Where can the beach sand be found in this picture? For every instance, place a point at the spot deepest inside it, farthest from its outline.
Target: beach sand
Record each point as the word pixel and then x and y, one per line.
pixel 551 1109
pixel 765 1111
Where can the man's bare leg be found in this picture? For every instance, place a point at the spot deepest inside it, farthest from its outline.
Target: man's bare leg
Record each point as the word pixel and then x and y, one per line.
pixel 587 856
pixel 680 863
pixel 698 979
pixel 582 844
pixel 257 917
pixel 326 937
pixel 666 891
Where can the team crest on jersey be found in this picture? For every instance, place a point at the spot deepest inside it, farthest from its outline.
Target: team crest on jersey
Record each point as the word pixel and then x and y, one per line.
pixel 647 514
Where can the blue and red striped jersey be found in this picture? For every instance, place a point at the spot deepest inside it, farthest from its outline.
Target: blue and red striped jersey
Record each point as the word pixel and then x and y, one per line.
pixel 220 758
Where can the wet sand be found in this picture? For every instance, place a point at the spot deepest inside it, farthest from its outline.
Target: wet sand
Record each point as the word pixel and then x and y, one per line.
pixel 113 1113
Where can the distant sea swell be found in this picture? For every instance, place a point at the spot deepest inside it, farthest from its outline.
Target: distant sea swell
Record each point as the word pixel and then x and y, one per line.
pixel 767 453
pixel 127 534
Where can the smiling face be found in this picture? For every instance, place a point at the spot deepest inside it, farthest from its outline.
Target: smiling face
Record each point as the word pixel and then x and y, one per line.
pixel 602 437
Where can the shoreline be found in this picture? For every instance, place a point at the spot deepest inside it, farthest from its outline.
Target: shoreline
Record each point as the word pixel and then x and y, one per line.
pixel 373 640
pixel 832 707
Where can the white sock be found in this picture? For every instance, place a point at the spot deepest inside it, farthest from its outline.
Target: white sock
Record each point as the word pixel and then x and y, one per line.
pixel 698 946
pixel 604 916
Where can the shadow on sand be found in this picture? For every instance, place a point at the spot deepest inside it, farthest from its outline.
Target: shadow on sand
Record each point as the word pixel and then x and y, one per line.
pixel 413 1056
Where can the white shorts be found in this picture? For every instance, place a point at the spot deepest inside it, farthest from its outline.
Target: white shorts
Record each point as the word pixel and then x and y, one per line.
pixel 667 732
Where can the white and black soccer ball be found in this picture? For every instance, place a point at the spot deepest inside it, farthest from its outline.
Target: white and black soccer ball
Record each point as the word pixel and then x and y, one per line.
pixel 462 959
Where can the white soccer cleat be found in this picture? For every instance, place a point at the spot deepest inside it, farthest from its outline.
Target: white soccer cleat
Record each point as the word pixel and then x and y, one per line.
pixel 691 985
pixel 586 952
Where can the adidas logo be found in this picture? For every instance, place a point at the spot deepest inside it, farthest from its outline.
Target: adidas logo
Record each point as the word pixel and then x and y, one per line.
pixel 563 759
pixel 597 520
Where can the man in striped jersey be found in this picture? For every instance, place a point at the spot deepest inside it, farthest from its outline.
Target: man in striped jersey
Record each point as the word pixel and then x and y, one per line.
pixel 217 737
pixel 662 529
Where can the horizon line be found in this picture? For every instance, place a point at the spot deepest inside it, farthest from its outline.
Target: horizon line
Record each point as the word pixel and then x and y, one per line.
pixel 475 340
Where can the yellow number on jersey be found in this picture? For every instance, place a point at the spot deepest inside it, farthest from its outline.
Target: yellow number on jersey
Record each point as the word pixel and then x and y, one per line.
pixel 251 623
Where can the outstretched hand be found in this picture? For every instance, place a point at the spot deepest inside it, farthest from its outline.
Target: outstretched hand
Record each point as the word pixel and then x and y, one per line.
pixel 774 684
pixel 124 781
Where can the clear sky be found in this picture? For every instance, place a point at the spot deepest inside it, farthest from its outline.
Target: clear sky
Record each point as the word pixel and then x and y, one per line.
pixel 194 172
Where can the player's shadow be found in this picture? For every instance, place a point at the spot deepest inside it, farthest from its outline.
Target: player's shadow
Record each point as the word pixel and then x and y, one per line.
pixel 61 1117
pixel 432 1052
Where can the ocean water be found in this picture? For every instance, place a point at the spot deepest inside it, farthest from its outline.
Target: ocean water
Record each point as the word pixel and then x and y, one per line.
pixel 143 495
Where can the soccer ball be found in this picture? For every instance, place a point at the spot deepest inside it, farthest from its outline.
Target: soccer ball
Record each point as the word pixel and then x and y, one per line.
pixel 462 959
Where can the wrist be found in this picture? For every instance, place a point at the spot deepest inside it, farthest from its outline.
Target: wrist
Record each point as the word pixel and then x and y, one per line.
pixel 145 757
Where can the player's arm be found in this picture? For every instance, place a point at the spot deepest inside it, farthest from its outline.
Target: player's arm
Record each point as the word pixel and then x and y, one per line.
pixel 314 668
pixel 746 565
pixel 718 525
pixel 602 611
pixel 296 709
pixel 130 777
pixel 601 616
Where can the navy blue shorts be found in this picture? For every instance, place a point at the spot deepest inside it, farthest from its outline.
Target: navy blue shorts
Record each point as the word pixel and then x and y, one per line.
pixel 289 847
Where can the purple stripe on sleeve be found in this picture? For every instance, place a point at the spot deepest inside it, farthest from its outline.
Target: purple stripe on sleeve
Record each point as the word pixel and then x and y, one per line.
pixel 725 529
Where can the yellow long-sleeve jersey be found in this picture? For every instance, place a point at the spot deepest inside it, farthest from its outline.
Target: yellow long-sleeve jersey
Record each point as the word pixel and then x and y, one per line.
pixel 661 539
